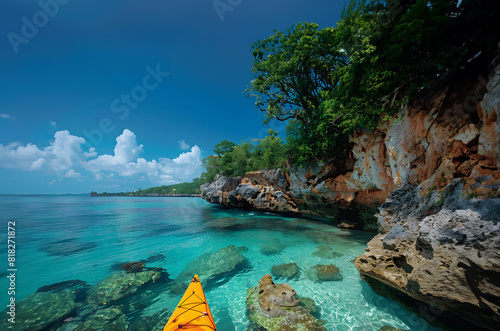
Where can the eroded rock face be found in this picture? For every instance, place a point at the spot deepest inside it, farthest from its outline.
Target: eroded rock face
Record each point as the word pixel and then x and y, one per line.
pixel 316 190
pixel 274 307
pixel 454 135
pixel 440 231
pixel 444 252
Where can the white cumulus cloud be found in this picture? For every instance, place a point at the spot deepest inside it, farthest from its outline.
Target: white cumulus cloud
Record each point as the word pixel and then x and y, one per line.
pixel 183 145
pixel 126 162
pixel 67 156
pixel 63 153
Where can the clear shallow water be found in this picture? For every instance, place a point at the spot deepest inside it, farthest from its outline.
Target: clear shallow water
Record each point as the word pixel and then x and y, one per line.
pixel 63 238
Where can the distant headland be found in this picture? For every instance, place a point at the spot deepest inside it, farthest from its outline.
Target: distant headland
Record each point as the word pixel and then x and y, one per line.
pixel 175 190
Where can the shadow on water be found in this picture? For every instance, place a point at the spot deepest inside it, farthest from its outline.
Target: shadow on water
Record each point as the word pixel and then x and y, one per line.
pixel 243 220
pixel 394 308
pixel 250 222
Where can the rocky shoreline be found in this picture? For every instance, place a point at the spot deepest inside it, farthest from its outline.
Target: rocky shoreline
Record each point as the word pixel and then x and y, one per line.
pixel 433 177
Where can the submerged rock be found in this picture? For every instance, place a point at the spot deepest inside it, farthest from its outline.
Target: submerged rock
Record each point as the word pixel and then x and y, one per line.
pixel 41 311
pixel 324 273
pixel 67 247
pixel 155 322
pixel 286 270
pixel 389 328
pixel 121 285
pixel 111 318
pixel 272 247
pixel 326 252
pixel 273 307
pixel 133 267
pixel 310 305
pixel 58 287
pixel 78 288
pixel 209 266
pixel 274 296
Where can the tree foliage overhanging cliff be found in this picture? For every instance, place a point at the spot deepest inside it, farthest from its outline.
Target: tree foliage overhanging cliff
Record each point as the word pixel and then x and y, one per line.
pixel 326 83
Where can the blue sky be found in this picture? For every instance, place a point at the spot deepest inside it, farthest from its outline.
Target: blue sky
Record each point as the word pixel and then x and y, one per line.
pixel 116 95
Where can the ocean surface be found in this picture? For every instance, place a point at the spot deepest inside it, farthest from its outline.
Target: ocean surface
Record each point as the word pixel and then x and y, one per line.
pixel 61 238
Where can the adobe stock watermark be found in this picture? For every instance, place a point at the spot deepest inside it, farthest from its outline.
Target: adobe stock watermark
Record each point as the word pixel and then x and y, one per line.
pixel 121 106
pixel 223 6
pixel 30 28
pixel 125 102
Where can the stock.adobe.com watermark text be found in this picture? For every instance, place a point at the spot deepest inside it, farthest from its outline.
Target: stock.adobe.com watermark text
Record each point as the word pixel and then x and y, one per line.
pixel 127 101
pixel 223 6
pixel 11 270
pixel 30 26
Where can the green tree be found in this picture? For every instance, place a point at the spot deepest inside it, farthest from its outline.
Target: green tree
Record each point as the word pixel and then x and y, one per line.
pixel 241 156
pixel 212 165
pixel 292 69
pixel 292 78
pixel 382 55
pixel 223 147
pixel 269 153
pixel 266 153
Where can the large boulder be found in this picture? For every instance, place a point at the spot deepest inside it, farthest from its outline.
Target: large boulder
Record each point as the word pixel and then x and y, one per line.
pixel 274 307
pixel 442 252
pixel 121 285
pixel 217 191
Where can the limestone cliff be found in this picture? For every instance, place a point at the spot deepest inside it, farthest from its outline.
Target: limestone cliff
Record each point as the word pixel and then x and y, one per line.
pixel 433 172
pixel 439 239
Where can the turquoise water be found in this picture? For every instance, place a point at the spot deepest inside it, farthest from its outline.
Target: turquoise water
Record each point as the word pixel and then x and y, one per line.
pixel 62 238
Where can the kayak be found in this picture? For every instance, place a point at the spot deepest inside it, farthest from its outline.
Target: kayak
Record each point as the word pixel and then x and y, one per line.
pixel 192 312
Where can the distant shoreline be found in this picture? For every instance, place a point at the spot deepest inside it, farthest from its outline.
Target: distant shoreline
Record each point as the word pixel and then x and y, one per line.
pixel 152 195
